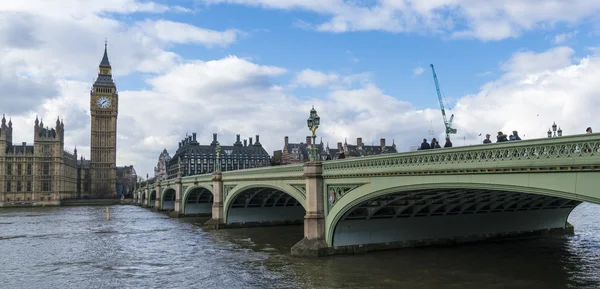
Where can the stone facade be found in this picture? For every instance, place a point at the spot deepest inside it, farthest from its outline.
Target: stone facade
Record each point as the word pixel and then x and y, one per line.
pixel 126 180
pixel 361 150
pixel 104 108
pixel 41 173
pixel 295 153
pixel 160 171
pixel 200 159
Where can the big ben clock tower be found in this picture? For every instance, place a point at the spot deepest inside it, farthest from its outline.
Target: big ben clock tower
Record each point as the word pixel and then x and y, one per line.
pixel 104 107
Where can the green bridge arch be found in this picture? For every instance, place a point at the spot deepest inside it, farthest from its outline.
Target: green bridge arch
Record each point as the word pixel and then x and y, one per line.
pixel 576 186
pixel 242 187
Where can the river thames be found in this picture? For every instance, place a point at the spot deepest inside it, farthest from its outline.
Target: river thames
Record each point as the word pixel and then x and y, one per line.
pixel 76 247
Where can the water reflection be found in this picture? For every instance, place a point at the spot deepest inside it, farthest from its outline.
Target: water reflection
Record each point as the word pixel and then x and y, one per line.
pixel 78 248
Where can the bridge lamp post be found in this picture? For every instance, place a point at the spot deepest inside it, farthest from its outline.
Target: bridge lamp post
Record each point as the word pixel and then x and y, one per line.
pixel 313 122
pixel 554 132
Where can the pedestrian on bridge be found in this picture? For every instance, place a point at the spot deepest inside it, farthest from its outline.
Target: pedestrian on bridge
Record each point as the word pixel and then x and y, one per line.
pixel 424 145
pixel 448 143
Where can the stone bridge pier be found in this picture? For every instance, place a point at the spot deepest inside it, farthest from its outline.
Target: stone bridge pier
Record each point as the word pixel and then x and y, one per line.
pixel 217 220
pixel 313 243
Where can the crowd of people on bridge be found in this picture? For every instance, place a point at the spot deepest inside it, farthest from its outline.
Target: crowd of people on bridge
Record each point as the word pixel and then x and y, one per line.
pixel 501 137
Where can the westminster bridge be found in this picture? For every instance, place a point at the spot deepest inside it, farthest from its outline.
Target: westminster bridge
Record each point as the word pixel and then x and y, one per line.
pixel 441 196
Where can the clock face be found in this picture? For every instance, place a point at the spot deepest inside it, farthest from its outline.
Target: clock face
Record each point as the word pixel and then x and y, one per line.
pixel 103 102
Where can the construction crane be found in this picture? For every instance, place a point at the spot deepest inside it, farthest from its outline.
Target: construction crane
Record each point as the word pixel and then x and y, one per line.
pixel 447 124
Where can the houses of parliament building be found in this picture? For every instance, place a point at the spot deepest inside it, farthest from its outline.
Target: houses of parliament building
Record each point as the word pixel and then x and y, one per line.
pixel 44 173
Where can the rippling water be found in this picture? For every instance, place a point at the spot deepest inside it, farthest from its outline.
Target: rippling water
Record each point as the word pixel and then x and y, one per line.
pixel 76 247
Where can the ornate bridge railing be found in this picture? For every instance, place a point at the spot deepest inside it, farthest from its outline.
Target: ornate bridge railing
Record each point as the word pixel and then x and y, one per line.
pixel 581 152
pixel 294 171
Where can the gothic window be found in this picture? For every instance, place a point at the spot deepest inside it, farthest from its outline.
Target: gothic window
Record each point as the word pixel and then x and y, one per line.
pixel 46 169
pixel 18 186
pixel 29 169
pixel 8 186
pixel 29 186
pixel 19 169
pixel 9 169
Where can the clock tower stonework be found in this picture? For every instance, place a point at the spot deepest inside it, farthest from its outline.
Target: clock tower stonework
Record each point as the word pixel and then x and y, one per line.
pixel 104 107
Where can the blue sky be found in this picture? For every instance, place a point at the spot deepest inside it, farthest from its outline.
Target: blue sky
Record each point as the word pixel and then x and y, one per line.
pixel 257 66
pixel 273 37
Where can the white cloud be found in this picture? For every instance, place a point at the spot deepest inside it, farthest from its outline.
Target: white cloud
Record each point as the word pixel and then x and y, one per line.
pixel 485 20
pixel 313 78
pixel 529 62
pixel 561 38
pixel 176 32
pixel 234 95
pixel 418 70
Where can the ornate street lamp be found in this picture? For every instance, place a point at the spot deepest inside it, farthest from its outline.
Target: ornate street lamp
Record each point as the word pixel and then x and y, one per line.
pixel 218 158
pixel 554 132
pixel 313 122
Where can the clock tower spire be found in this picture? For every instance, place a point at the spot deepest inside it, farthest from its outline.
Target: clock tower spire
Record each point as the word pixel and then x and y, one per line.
pixel 104 108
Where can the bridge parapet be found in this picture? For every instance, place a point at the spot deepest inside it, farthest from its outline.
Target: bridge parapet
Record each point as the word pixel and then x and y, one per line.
pixel 581 152
pixel 295 171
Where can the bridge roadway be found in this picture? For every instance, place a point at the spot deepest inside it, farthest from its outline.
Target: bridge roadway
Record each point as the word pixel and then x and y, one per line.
pixel 441 196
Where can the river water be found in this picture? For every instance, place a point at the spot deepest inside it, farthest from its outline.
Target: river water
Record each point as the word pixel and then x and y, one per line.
pixel 76 247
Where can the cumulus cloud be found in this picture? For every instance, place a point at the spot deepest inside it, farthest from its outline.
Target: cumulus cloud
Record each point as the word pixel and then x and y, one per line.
pixel 312 78
pixel 232 95
pixel 491 20
pixel 179 33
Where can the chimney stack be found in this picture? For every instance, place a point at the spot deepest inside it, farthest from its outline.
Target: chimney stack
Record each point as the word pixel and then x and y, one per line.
pixel 237 138
pixel 257 140
pixel 286 141
pixel 245 143
pixel 340 147
pixel 308 140
pixel 214 137
pixel 194 136
pixel 382 142
pixel 359 142
pixel 249 141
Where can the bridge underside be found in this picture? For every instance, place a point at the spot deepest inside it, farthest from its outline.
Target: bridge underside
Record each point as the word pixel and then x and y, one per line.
pixel 264 205
pixel 198 202
pixel 151 199
pixel 446 216
pixel 168 200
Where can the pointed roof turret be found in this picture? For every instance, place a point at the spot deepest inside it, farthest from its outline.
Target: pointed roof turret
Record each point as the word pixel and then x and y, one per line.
pixel 105 71
pixel 105 62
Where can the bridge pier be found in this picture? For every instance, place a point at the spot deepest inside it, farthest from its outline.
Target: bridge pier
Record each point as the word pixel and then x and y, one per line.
pixel 313 243
pixel 177 206
pixel 157 201
pixel 217 220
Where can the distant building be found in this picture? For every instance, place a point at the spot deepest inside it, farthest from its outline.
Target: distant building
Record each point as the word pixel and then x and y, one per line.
pixel 360 149
pixel 160 171
pixel 126 179
pixel 277 158
pixel 40 173
pixel 84 178
pixel 200 159
pixel 294 153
